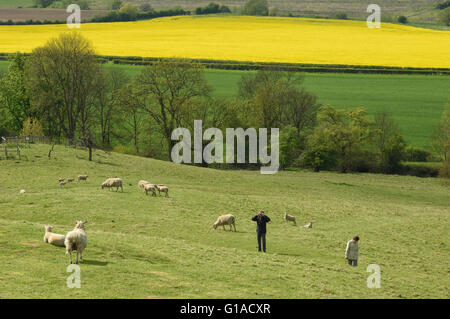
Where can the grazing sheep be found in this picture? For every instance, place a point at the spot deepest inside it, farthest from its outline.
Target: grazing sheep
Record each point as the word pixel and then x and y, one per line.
pixel 113 182
pixel 150 188
pixel 70 180
pixel 223 220
pixel 308 225
pixel 288 217
pixel 61 184
pixel 22 191
pixel 52 238
pixel 82 178
pixel 61 180
pixel 76 240
pixel 162 188
pixel 142 183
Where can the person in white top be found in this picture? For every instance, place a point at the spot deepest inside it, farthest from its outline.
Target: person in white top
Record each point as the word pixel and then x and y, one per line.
pixel 351 252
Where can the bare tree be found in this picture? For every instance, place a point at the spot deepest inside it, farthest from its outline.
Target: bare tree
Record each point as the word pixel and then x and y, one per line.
pixel 169 90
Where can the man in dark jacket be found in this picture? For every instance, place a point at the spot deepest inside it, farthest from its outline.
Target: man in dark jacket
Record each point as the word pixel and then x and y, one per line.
pixel 261 219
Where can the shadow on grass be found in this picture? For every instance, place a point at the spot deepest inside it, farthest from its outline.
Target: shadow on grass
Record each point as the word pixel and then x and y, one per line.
pixel 94 262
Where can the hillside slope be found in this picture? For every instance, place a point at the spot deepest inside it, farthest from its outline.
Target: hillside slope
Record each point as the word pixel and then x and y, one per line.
pixel 140 246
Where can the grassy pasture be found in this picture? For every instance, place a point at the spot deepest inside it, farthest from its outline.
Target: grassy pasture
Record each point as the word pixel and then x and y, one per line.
pixel 144 247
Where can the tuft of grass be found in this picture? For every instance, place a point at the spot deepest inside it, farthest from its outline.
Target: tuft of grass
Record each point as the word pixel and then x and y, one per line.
pixel 141 246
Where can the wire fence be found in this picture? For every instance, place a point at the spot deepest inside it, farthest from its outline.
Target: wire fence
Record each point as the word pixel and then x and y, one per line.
pixel 11 147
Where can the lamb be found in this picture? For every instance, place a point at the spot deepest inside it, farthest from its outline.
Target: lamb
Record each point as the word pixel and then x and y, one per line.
pixel 82 178
pixel 76 240
pixel 61 180
pixel 150 188
pixel 70 180
pixel 308 225
pixel 142 183
pixel 52 238
pixel 288 217
pixel 113 182
pixel 162 188
pixel 223 220
pixel 22 191
pixel 61 184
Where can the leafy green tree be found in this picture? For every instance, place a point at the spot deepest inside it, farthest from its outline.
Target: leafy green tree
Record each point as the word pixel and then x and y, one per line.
pixel 128 11
pixel 13 96
pixel 256 7
pixel 63 78
pixel 389 143
pixel 43 3
pixel 340 138
pixel 32 127
pixel 444 16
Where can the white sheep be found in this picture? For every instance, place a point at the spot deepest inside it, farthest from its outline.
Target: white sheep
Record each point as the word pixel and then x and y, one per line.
pixel 162 188
pixel 82 178
pixel 76 240
pixel 290 218
pixel 22 191
pixel 223 220
pixel 308 225
pixel 113 182
pixel 61 180
pixel 52 238
pixel 150 188
pixel 61 184
pixel 142 183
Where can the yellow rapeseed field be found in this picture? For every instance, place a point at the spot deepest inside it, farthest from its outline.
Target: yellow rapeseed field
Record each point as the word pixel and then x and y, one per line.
pixel 263 39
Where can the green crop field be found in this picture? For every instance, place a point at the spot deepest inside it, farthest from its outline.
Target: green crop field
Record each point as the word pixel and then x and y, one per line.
pixel 415 101
pixel 15 3
pixel 145 247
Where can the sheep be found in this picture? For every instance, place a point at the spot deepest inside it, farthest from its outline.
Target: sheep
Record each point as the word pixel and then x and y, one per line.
pixel 82 178
pixel 52 238
pixel 61 180
pixel 113 182
pixel 308 225
pixel 288 217
pixel 162 188
pixel 22 191
pixel 223 220
pixel 61 184
pixel 76 240
pixel 142 183
pixel 150 188
pixel 70 180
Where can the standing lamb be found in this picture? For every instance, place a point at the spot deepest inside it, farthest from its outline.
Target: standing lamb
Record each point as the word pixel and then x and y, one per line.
pixel 150 188
pixel 76 240
pixel 223 220
pixel 82 178
pixel 52 238
pixel 288 217
pixel 162 188
pixel 113 182
pixel 142 183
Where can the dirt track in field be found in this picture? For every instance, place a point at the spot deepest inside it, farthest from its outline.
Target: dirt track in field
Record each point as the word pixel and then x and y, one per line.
pixel 43 14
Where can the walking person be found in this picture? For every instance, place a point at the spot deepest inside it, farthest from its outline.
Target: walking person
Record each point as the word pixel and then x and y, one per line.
pixel 351 252
pixel 261 220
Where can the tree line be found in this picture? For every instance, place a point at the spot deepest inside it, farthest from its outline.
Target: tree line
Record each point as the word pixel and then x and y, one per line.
pixel 62 90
